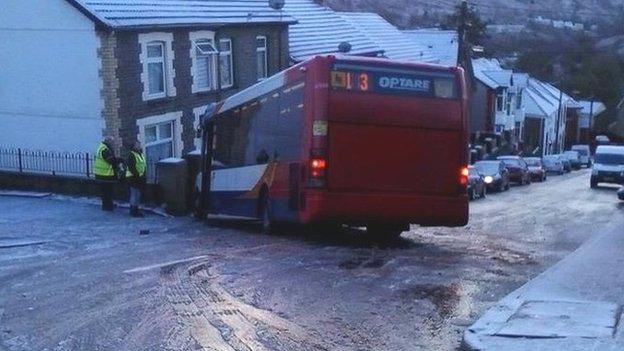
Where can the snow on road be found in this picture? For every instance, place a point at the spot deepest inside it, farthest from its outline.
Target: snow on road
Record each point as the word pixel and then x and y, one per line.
pixel 92 282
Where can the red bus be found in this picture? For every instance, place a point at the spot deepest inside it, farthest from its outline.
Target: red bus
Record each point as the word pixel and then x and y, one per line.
pixel 342 140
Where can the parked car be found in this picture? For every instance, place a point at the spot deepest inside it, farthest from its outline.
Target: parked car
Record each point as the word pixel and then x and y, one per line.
pixel 495 175
pixel 518 169
pixel 575 159
pixel 567 165
pixel 536 168
pixel 621 193
pixel 476 184
pixel 602 140
pixel 584 152
pixel 553 164
pixel 608 165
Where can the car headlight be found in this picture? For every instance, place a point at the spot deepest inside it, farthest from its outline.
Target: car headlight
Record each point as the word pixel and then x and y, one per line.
pixel 594 172
pixel 488 179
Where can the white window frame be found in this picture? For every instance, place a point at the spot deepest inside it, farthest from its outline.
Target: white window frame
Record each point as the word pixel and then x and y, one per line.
pixel 175 117
pixel 194 37
pixel 230 57
pixel 160 60
pixel 264 51
pixel 500 97
pixel 169 72
pixel 508 104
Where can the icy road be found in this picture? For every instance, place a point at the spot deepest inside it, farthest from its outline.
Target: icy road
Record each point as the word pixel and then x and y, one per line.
pixel 74 278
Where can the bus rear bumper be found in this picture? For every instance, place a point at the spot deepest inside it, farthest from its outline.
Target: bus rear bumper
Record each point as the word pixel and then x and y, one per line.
pixel 351 208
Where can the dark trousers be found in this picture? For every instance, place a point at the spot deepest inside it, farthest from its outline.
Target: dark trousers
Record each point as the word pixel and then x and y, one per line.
pixel 107 190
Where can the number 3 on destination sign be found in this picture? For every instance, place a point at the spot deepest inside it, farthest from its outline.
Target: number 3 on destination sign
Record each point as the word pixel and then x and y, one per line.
pixel 363 82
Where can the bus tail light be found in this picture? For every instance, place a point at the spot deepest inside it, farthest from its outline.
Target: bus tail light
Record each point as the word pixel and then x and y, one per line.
pixel 317 171
pixel 463 176
pixel 317 167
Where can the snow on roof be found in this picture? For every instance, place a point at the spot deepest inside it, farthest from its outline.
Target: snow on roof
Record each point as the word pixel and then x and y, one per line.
pixel 320 30
pixel 597 108
pixel 537 103
pixel 492 74
pixel 543 99
pixel 482 65
pixel 441 44
pixel 168 13
pixel 396 45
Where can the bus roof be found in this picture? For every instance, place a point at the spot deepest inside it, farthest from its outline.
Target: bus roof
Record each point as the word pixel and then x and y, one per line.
pixel 278 80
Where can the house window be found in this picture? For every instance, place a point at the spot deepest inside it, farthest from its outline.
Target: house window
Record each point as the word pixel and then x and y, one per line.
pixel 500 128
pixel 159 145
pixel 157 60
pixel 161 137
pixel 156 69
pixel 508 103
pixel 519 100
pixel 226 63
pixel 205 67
pixel 261 57
pixel 204 56
pixel 500 100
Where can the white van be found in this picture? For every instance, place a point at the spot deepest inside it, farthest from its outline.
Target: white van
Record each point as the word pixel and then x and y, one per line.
pixel 608 165
pixel 584 153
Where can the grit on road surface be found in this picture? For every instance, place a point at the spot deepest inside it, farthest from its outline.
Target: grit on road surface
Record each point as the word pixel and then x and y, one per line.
pixel 74 278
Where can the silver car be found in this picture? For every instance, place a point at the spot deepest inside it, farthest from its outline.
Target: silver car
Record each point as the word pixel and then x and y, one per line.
pixel 553 164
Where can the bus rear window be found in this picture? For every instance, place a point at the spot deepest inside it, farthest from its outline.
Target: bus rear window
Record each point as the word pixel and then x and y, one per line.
pixel 382 80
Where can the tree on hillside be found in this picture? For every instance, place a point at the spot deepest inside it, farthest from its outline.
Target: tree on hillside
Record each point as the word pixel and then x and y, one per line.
pixel 475 26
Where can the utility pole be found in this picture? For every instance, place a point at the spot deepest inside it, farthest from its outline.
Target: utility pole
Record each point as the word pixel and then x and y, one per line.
pixel 558 126
pixel 591 118
pixel 463 56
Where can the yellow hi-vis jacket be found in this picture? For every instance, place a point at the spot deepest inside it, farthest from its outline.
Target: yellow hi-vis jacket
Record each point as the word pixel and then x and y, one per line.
pixel 100 166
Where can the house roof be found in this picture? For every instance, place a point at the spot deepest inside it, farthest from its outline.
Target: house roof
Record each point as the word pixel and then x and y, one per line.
pixel 125 14
pixel 539 103
pixel 441 44
pixel 490 73
pixel 597 108
pixel 320 30
pixel 395 44
pixel 543 99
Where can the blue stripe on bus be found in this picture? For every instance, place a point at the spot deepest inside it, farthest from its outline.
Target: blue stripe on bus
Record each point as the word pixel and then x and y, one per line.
pixel 232 203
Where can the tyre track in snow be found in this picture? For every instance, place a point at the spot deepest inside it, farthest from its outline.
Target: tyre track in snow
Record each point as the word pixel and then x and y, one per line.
pixel 210 318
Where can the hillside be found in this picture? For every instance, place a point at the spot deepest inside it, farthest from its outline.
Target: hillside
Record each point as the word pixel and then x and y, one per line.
pixel 412 13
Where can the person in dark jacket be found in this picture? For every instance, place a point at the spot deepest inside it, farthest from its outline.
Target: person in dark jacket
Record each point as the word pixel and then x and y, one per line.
pixel 135 177
pixel 106 168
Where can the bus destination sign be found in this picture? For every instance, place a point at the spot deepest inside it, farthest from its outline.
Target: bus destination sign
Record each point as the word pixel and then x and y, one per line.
pixel 385 80
pixel 382 82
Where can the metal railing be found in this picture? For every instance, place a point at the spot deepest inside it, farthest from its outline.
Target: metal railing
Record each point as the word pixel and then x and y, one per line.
pixel 76 164
pixel 20 160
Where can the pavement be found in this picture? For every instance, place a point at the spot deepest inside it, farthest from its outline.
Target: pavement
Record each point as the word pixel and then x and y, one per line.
pixel 574 305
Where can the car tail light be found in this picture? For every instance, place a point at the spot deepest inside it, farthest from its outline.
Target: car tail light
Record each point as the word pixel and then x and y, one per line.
pixel 463 176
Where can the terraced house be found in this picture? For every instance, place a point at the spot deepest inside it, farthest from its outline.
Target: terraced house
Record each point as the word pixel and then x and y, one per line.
pixel 76 70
